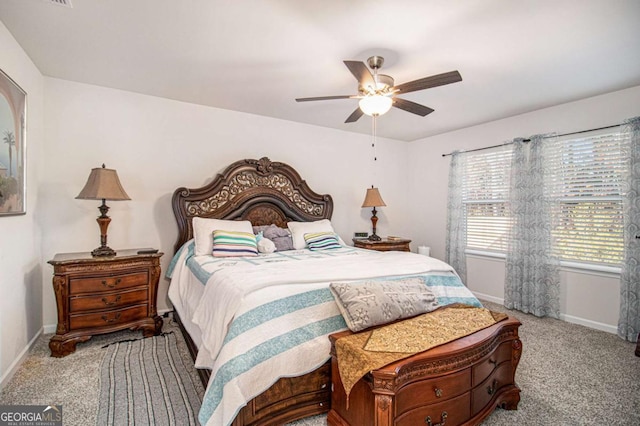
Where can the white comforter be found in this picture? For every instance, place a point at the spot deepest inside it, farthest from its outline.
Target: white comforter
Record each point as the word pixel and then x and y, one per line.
pixel 258 319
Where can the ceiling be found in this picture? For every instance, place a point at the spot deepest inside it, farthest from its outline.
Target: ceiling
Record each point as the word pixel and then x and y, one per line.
pixel 257 56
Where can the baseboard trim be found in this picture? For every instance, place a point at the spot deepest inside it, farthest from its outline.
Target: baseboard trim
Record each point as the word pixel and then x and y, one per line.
pixel 49 328
pixel 564 317
pixel 589 323
pixel 18 361
pixel 488 298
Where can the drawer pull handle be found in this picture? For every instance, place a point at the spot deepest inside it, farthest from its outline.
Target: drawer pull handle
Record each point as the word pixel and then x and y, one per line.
pixel 110 320
pixel 444 419
pixel 493 362
pixel 438 392
pixel 116 300
pixel 491 389
pixel 107 284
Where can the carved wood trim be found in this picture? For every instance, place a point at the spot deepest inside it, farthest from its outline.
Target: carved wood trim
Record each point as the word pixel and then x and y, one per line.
pixel 60 290
pixel 385 383
pixel 261 190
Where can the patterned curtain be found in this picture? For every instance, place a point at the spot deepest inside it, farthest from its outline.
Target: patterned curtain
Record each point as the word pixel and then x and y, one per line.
pixel 532 279
pixel 456 218
pixel 629 322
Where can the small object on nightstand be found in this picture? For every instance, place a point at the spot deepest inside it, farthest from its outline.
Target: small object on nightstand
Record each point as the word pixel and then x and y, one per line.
pixel 97 295
pixel 147 251
pixel 385 244
pixel 424 250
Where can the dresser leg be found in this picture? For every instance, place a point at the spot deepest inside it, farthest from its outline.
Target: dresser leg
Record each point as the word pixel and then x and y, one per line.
pixel 155 329
pixel 61 347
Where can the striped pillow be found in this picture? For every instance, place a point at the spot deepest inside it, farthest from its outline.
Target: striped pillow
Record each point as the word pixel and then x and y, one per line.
pixel 322 241
pixel 234 243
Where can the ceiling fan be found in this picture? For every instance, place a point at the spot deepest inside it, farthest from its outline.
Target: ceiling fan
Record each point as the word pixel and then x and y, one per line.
pixel 377 92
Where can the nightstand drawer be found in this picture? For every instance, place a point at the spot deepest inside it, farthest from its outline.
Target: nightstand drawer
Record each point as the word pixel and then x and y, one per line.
pixel 111 317
pixel 107 283
pixel 107 300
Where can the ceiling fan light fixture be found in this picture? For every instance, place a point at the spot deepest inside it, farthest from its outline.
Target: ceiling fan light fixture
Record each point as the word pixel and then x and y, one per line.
pixel 375 105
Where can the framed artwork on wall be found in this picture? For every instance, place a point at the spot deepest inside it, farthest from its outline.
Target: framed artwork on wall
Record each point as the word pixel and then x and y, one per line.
pixel 13 112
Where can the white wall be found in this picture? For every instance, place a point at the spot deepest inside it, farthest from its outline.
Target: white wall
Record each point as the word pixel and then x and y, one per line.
pixel 588 298
pixel 158 145
pixel 20 261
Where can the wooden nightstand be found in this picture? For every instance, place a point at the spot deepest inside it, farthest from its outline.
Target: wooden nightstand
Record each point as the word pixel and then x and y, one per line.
pixel 97 295
pixel 382 245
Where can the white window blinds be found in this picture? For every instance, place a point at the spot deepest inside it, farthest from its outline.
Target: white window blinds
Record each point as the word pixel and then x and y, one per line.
pixel 585 181
pixel 485 196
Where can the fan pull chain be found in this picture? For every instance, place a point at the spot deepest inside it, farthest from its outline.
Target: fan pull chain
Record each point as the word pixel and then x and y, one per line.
pixel 373 143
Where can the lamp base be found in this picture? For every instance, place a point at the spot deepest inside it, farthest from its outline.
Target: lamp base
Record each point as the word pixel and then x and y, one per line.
pixel 103 251
pixel 374 237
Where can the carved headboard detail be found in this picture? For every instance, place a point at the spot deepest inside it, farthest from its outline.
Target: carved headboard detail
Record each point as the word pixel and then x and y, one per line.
pixel 262 191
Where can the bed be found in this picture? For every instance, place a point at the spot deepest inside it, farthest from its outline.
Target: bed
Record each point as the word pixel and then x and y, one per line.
pixel 258 327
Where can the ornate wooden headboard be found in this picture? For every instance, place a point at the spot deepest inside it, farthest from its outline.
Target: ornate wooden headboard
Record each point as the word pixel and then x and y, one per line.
pixel 261 191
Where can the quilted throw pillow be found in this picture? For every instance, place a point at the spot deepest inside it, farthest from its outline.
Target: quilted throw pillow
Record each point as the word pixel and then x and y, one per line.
pixel 322 241
pixel 234 244
pixel 364 304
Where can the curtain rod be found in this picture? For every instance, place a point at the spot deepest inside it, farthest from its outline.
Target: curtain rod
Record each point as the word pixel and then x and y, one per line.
pixel 529 140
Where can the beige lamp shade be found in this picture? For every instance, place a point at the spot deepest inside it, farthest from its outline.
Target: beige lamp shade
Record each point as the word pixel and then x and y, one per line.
pixel 373 198
pixel 103 184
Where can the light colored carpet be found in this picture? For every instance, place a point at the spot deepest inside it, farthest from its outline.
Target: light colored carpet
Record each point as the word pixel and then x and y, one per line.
pixel 569 375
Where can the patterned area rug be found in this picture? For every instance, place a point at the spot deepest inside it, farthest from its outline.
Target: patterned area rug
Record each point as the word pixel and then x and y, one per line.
pixel 145 382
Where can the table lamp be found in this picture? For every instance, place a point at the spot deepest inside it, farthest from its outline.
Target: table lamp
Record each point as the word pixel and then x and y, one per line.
pixel 373 199
pixel 103 184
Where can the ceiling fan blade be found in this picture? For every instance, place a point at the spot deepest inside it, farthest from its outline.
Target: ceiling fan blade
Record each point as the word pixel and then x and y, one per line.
pixel 355 115
pixel 325 98
pixel 411 107
pixel 361 72
pixel 428 82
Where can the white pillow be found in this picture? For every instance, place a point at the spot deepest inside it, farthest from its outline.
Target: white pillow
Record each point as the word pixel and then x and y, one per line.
pixel 298 229
pixel 203 231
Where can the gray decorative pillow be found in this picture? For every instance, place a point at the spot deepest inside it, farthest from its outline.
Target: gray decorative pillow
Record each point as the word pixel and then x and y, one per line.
pixel 281 237
pixel 364 304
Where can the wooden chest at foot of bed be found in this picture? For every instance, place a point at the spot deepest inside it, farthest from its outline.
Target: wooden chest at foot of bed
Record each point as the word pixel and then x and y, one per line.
pixel 458 383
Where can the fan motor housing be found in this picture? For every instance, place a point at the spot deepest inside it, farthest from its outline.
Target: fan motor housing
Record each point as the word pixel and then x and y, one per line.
pixel 383 84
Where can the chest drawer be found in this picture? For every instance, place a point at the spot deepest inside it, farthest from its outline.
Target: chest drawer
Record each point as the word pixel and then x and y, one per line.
pixel 112 317
pixel 107 283
pixel 107 300
pixel 482 370
pixel 432 390
pixel 453 411
pixel 482 394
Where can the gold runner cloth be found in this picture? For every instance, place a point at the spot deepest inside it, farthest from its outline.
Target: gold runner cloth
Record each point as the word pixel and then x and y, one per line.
pixel 369 350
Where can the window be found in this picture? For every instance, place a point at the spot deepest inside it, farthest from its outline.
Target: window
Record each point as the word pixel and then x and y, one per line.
pixel 485 196
pixel 584 180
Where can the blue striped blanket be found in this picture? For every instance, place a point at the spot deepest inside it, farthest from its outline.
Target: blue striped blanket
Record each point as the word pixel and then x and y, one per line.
pixel 269 317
